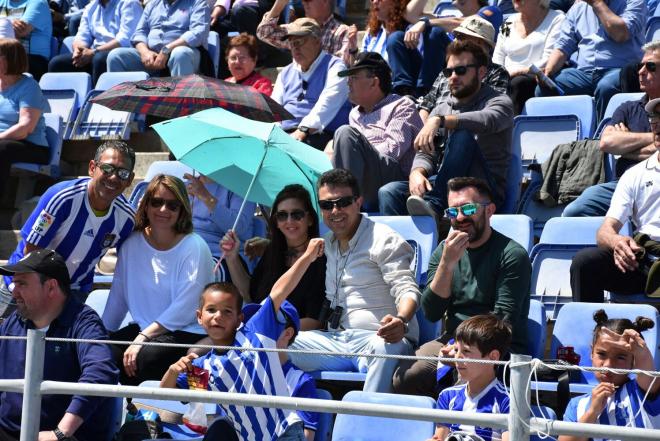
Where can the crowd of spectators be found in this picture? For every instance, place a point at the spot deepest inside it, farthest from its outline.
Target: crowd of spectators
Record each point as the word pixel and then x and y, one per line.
pixel 417 119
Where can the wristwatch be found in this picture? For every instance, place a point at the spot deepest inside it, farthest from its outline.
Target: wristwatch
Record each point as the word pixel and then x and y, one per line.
pixel 60 436
pixel 426 20
pixel 304 129
pixel 165 51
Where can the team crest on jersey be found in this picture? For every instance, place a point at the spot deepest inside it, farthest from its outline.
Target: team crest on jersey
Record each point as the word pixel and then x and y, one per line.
pixel 43 223
pixel 108 240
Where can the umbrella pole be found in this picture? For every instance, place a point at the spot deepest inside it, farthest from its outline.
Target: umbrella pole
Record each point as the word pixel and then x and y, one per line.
pixel 240 210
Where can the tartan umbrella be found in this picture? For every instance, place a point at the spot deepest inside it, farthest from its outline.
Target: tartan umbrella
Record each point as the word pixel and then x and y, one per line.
pixel 172 97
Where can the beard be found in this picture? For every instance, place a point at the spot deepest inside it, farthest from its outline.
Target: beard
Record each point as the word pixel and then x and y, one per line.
pixel 467 90
pixel 475 229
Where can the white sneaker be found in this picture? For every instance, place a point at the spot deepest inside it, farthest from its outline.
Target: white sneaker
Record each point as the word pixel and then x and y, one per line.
pixel 417 206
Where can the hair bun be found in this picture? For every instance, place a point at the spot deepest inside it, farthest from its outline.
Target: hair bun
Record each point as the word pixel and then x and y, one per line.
pixel 641 324
pixel 600 317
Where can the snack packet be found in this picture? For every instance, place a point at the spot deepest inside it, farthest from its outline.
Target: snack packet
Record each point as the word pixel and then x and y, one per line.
pixel 195 417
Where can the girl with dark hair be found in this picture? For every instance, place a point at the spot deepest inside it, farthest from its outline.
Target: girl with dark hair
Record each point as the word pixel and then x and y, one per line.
pixel 161 270
pixel 617 400
pixel 292 223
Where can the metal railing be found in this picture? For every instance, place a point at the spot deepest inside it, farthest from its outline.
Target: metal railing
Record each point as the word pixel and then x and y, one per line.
pixel 518 422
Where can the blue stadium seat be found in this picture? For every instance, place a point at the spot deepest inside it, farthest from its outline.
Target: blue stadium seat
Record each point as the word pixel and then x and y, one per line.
pixel 174 168
pixel 446 9
pixel 536 210
pixel 536 329
pixel 214 51
pixel 653 29
pixel 535 137
pixel 109 79
pixel 574 327
pixel 97 300
pixel 80 82
pixel 612 105
pixel 67 45
pixel 54 138
pixel 515 226
pixel 573 231
pixel 324 430
pixel 54 46
pixel 583 106
pixel 367 428
pixel 551 279
pixel 542 412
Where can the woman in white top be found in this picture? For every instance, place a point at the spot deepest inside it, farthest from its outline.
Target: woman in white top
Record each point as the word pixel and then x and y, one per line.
pixel 526 39
pixel 161 271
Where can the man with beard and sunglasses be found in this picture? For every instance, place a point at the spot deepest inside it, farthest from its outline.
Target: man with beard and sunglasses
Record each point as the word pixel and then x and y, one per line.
pixel 81 219
pixel 467 135
pixel 627 134
pixel 476 270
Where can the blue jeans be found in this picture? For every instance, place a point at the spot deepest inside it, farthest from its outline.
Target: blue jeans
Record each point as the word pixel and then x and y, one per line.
pixel 183 61
pixel 602 84
pixel 392 198
pixel 379 370
pixel 594 201
pixel 409 67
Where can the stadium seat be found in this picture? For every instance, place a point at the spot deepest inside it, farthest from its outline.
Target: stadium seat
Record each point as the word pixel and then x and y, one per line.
pixel 537 211
pixel 58 87
pixel 542 412
pixel 551 279
pixel 108 80
pixel 653 29
pixel 54 138
pixel 574 327
pixel 536 329
pixel 54 46
pixel 583 106
pixel 515 226
pixel 324 430
pixel 174 168
pixel 612 105
pixel 367 428
pixel 446 9
pixel 67 45
pixel 214 51
pixel 97 300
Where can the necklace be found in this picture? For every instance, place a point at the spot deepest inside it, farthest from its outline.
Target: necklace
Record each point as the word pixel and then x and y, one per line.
pixel 296 249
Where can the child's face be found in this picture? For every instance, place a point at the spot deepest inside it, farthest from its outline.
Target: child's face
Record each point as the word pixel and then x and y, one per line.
pixel 606 354
pixel 471 371
pixel 220 316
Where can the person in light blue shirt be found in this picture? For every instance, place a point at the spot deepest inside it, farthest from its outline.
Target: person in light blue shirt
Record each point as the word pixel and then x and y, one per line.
pixel 105 25
pixel 167 37
pixel 33 26
pixel 602 36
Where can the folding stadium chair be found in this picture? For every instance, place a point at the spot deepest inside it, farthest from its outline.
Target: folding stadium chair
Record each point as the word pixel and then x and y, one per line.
pixel 174 168
pixel 26 170
pixel 583 106
pixel 542 412
pixel 537 211
pixel 536 329
pixel 368 428
pixel 653 29
pixel 613 104
pixel 97 300
pixel 66 92
pixel 515 226
pixel 67 45
pixel 446 9
pixel 214 51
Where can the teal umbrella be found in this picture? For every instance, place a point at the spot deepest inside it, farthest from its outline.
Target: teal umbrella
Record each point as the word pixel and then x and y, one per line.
pixel 253 159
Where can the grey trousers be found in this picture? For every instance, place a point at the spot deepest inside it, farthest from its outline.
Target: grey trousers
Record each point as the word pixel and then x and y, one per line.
pixel 354 152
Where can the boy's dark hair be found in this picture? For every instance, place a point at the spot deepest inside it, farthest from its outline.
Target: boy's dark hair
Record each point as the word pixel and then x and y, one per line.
pixel 226 287
pixel 486 332
pixel 458 184
pixel 339 177
pixel 640 324
pixel 457 47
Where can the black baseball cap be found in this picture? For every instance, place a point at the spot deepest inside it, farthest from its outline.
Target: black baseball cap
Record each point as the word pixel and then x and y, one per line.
pixel 367 60
pixel 42 261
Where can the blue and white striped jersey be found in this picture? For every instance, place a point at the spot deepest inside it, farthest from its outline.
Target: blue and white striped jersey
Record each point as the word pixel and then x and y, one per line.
pixel 493 399
pixel 248 372
pixel 63 220
pixel 622 409
pixel 302 385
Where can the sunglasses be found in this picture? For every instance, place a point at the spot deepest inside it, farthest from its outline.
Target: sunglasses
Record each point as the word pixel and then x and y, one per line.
pixel 467 209
pixel 170 204
pixel 650 66
pixel 339 203
pixel 295 215
pixel 109 170
pixel 459 70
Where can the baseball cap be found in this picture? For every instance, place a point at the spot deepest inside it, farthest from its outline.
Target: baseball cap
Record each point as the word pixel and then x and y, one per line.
pixel 302 27
pixel 366 60
pixel 477 26
pixel 250 309
pixel 42 261
pixel 651 105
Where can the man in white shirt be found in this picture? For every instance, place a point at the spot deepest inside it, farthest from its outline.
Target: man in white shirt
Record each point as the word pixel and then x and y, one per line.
pixel 618 263
pixel 310 88
pixel 371 293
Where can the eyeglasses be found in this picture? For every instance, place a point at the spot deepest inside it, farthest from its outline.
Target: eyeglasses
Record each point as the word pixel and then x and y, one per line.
pixel 298 42
pixel 339 203
pixel 460 70
pixel 295 215
pixel 109 170
pixel 170 204
pixel 467 209
pixel 239 58
pixel 650 66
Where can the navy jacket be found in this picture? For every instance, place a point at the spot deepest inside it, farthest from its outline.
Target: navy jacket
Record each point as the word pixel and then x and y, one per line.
pixel 78 363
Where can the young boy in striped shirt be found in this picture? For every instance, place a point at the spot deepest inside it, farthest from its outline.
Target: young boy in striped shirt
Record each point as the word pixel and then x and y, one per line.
pixel 483 337
pixel 248 371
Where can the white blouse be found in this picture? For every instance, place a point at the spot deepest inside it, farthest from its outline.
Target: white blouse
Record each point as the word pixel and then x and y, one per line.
pixel 514 52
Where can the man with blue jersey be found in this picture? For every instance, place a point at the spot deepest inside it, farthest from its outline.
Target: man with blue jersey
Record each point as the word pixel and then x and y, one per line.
pixel 245 371
pixel 482 337
pixel 81 219
pixel 44 302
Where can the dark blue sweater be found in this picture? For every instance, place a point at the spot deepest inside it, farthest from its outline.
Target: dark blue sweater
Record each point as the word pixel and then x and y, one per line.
pixel 82 363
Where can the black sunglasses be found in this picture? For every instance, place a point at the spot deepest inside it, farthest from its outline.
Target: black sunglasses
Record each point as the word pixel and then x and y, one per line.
pixel 460 70
pixel 650 66
pixel 170 204
pixel 109 170
pixel 283 216
pixel 343 202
